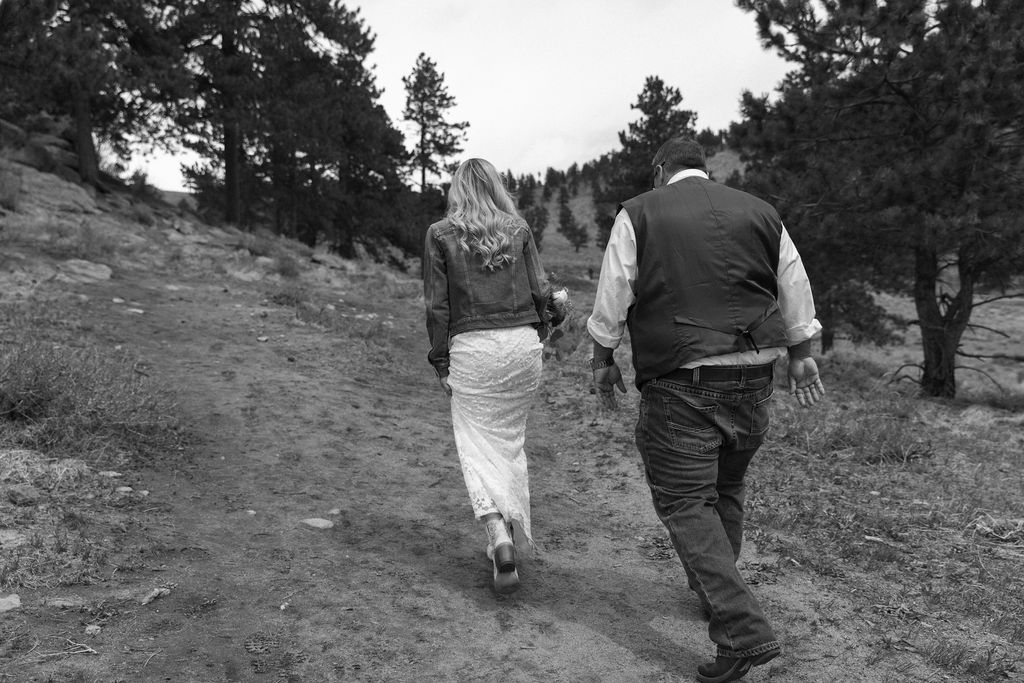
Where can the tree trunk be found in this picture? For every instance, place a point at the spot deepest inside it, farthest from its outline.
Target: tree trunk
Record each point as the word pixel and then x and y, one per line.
pixel 85 147
pixel 232 163
pixel 423 162
pixel 232 128
pixel 940 330
pixel 828 339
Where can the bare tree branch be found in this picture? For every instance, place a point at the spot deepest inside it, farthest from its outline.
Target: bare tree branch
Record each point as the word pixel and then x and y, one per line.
pixel 1018 295
pixel 996 356
pixel 983 374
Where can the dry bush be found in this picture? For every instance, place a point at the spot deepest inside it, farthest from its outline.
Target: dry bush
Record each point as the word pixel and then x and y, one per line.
pixel 291 295
pixel 81 402
pixel 260 243
pixel 287 266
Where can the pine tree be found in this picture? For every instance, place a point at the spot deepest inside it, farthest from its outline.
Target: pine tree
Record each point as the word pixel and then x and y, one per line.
pixel 426 106
pixel 895 151
pixel 570 228
pixel 103 64
pixel 629 168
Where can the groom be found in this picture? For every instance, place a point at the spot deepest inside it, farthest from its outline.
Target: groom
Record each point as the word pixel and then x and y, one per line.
pixel 713 292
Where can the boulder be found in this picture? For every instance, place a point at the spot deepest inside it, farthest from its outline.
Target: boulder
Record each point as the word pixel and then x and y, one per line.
pixel 81 272
pixel 10 186
pixel 34 156
pixel 64 157
pixel 11 135
pixel 23 494
pixel 50 193
pixel 47 140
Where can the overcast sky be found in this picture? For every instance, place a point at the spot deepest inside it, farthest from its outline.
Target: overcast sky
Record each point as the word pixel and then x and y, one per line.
pixel 550 82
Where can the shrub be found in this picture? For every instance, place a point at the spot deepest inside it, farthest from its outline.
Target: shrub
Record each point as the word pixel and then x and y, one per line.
pixel 81 402
pixel 287 266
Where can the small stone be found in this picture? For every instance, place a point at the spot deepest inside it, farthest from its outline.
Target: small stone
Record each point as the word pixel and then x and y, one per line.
pixel 9 602
pixel 68 602
pixel 136 311
pixel 117 300
pixel 124 489
pixel 10 538
pixel 318 523
pixel 23 494
pixel 154 594
pixel 109 473
pixel 92 630
pixel 334 511
pixel 262 339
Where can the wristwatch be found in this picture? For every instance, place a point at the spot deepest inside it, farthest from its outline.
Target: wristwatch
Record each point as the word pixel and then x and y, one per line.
pixel 598 364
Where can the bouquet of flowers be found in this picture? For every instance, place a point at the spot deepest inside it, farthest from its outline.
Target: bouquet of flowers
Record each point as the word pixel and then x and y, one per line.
pixel 558 307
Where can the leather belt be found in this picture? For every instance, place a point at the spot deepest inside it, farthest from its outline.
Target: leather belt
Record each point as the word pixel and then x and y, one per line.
pixel 719 373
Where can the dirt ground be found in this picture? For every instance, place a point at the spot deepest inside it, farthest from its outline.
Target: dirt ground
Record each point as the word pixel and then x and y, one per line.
pixel 292 421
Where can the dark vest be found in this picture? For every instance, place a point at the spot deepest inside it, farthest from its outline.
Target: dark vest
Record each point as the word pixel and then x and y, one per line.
pixel 706 285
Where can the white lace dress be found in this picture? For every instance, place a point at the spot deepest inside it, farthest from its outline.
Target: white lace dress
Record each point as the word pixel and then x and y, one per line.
pixel 494 377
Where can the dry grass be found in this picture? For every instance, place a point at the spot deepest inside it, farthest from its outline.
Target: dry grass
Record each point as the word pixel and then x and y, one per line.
pixel 65 413
pixel 79 401
pixel 917 512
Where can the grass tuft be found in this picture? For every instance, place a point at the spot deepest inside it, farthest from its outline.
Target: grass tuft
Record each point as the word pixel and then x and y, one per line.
pixel 81 402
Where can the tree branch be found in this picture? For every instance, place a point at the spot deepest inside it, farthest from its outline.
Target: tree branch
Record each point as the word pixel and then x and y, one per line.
pixel 982 373
pixel 995 356
pixel 974 326
pixel 998 298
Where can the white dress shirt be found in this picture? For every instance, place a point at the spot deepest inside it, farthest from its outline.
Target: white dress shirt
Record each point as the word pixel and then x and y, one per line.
pixel 616 292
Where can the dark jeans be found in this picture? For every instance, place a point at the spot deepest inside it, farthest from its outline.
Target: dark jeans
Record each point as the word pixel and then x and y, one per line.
pixel 696 438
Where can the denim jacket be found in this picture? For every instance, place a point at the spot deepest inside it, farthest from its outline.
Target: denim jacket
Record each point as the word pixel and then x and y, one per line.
pixel 462 295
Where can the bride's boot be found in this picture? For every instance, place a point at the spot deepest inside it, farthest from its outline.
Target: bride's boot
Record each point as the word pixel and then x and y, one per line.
pixel 502 552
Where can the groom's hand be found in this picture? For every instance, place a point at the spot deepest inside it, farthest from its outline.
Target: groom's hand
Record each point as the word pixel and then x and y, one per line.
pixel 606 380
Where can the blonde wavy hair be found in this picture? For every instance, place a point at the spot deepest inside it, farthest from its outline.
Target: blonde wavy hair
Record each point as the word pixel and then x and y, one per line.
pixel 483 211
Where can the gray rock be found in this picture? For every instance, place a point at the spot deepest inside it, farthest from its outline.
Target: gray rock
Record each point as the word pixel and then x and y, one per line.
pixel 81 272
pixel 11 135
pixel 23 494
pixel 34 156
pixel 47 140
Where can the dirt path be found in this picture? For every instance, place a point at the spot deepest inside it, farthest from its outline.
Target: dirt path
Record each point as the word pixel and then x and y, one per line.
pixel 351 428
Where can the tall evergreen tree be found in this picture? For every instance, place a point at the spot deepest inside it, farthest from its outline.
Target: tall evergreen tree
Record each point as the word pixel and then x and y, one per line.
pixel 630 169
pixel 895 152
pixel 568 226
pixel 103 64
pixel 427 104
pixel 287 117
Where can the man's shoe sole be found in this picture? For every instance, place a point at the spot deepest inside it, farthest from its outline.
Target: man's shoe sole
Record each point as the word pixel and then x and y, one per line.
pixel 740 668
pixel 738 671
